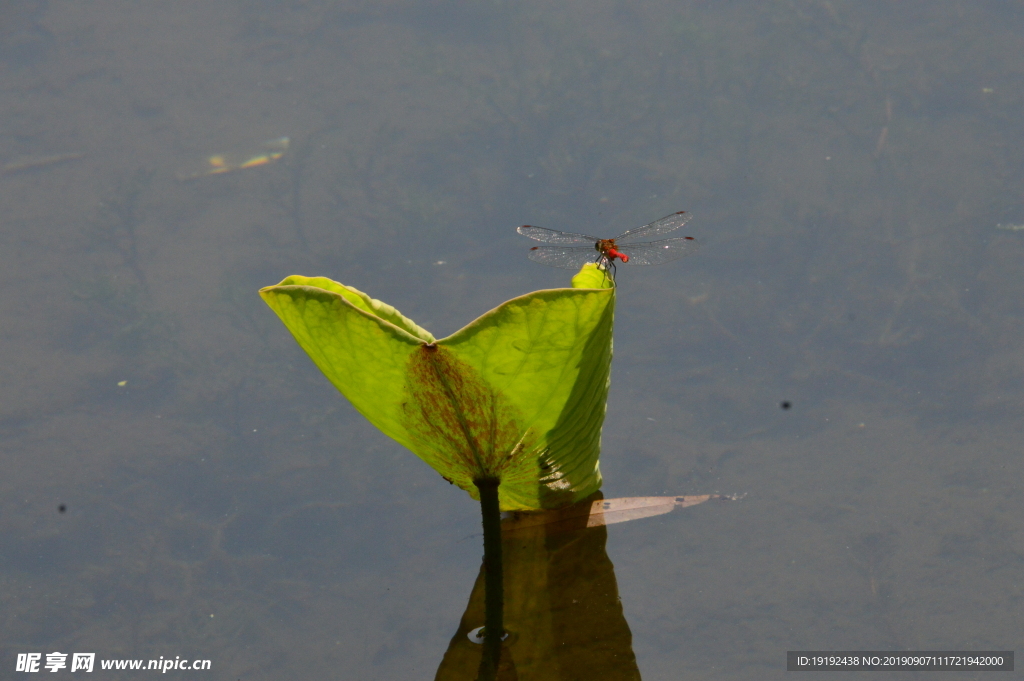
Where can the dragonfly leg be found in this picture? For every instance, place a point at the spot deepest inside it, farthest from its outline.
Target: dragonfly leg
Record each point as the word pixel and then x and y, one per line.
pixel 604 262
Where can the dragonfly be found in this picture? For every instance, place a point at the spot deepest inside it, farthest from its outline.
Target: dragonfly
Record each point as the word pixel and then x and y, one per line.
pixel 571 251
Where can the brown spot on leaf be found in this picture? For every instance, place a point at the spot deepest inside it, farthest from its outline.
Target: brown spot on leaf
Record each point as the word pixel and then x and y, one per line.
pixel 458 417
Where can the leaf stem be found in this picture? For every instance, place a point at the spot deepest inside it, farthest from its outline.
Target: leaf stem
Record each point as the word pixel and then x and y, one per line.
pixel 494 598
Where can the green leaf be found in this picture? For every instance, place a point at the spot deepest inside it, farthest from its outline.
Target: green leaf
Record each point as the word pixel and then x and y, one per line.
pixel 592 275
pixel 518 395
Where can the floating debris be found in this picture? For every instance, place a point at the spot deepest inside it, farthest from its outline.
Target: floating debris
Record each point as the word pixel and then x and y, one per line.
pixel 225 163
pixel 24 163
pixel 1010 228
pixel 607 511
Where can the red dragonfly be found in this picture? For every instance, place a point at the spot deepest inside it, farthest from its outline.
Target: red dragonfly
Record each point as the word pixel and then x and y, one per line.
pixel 572 250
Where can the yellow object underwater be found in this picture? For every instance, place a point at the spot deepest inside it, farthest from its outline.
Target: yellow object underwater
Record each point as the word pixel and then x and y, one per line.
pixel 33 162
pixel 225 163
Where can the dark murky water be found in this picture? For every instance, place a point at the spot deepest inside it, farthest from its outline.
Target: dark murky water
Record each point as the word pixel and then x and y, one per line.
pixel 847 165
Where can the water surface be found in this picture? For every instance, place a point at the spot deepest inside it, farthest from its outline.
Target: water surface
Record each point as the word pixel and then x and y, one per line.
pixel 847 165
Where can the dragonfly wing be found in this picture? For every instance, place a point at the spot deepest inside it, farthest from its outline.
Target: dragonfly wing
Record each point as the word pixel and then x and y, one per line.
pixel 665 225
pixel 551 236
pixel 658 252
pixel 566 257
